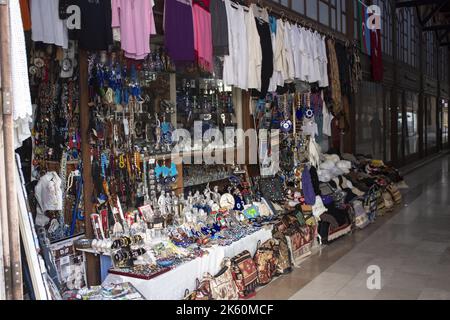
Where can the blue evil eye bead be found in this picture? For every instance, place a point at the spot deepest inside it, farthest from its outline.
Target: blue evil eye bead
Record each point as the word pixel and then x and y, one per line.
pixel 286 126
pixel 309 113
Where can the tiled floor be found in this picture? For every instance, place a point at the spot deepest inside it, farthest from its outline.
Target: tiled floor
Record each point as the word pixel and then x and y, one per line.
pixel 410 246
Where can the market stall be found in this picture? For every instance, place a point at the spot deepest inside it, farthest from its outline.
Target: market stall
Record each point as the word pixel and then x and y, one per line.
pixel 130 158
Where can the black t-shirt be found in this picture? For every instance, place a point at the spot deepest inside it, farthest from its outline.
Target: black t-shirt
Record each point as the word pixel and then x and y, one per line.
pixel 96 20
pixel 267 55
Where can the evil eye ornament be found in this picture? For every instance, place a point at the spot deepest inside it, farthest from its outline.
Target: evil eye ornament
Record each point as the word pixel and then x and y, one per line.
pixel 239 204
pixel 286 126
pixel 309 114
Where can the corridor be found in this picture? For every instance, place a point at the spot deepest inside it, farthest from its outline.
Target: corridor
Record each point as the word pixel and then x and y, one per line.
pixel 411 246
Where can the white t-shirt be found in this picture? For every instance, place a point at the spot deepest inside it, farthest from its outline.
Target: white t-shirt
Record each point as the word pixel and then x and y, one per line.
pixel 306 58
pixel 235 66
pixel 280 53
pixel 47 27
pixel 313 73
pixel 288 65
pixel 327 119
pixel 254 52
pixel 48 192
pixel 277 47
pixel 324 81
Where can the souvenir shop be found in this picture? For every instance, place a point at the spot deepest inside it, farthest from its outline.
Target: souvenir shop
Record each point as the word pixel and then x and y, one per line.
pixel 118 215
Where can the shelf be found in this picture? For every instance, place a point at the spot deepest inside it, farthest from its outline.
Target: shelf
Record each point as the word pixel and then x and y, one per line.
pixel 206 182
pixel 94 252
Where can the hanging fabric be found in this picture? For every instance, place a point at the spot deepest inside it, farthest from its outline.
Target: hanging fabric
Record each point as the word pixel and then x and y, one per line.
pixel 47 27
pixel 335 84
pixel 202 34
pixel 179 31
pixel 20 84
pixel 136 23
pixel 219 27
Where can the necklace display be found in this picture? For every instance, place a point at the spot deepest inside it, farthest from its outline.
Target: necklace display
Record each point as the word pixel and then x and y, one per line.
pixel 56 134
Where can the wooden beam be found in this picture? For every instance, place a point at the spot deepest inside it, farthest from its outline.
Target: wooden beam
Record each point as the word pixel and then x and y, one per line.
pixel 434 11
pixel 437 27
pixel 15 271
pixel 92 262
pixel 442 36
pixel 415 3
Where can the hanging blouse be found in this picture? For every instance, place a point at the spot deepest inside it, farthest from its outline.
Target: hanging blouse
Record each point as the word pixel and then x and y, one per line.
pixel 236 63
pixel 202 35
pixel 316 57
pixel 276 79
pixel 219 26
pixel 95 32
pixel 335 84
pixel 324 82
pixel 288 65
pixel 136 22
pixel 306 59
pixel 267 55
pixel 254 52
pixel 179 31
pixel 47 27
pixel 295 41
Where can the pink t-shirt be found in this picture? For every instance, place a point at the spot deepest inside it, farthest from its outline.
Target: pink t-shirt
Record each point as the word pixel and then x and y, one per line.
pixel 136 22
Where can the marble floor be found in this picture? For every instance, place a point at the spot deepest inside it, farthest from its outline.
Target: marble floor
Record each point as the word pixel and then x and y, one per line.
pixel 411 248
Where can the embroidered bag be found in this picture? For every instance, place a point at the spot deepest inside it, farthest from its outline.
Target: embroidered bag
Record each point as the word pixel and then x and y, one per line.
pixel 265 261
pixel 282 255
pixel 222 285
pixel 395 193
pixel 245 274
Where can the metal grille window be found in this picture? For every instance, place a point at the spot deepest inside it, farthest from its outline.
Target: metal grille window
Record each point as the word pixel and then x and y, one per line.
pixel 330 13
pixel 407 35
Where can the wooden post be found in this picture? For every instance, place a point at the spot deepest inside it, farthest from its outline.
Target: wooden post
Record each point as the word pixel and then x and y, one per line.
pixel 5 265
pixel 15 271
pixel 92 261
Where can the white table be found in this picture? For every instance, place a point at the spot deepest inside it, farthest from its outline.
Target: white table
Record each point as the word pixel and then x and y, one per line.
pixel 172 285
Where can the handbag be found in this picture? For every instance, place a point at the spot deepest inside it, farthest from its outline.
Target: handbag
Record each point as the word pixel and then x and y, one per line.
pixel 388 201
pixel 222 285
pixel 282 255
pixel 371 203
pixel 395 193
pixel 361 219
pixel 265 261
pixel 245 274
pixel 299 244
pixel 202 291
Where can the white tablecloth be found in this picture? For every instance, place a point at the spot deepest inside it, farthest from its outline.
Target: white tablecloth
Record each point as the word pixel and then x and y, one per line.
pixel 172 285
